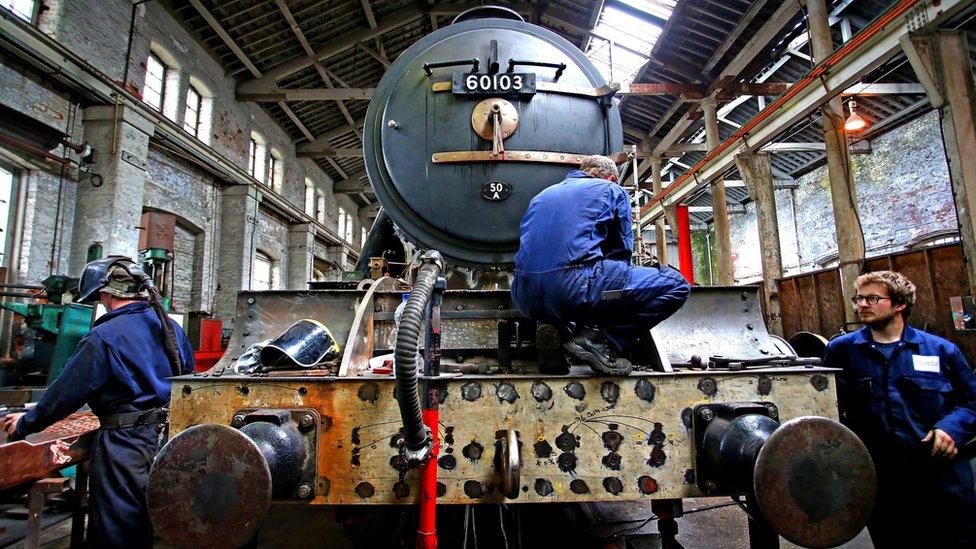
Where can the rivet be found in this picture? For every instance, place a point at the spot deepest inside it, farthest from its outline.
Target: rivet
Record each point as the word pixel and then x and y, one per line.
pixel 706 414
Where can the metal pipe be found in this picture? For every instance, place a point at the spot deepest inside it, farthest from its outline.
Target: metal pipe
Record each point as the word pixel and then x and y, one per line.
pixel 684 243
pixel 13 265
pixel 27 147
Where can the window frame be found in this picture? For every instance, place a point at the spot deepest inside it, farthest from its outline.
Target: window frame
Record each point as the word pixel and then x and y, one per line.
pixel 310 198
pixel 257 158
pixel 262 258
pixel 193 130
pixel 28 17
pixel 276 169
pixel 154 58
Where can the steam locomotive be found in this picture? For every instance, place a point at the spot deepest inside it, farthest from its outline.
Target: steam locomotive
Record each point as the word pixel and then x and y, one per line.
pixel 464 129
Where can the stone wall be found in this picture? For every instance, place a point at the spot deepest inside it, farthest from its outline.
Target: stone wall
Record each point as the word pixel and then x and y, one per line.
pixel 173 182
pixel 903 194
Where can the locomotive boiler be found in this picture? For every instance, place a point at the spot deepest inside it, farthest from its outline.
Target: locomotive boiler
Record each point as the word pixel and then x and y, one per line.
pixel 463 130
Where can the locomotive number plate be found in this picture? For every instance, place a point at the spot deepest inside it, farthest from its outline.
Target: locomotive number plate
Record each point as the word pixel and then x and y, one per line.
pixel 506 83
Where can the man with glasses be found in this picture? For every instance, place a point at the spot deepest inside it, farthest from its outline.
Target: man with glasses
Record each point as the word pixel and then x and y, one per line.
pixel 911 397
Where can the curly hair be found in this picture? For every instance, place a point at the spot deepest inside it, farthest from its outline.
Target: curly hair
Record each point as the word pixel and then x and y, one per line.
pixel 600 166
pixel 901 290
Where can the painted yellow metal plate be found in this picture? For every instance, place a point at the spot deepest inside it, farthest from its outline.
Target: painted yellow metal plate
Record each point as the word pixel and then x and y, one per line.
pixel 581 438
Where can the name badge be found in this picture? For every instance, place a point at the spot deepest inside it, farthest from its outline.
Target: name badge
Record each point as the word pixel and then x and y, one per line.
pixel 924 363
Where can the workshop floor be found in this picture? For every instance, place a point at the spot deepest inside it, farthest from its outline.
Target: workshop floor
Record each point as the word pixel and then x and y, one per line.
pixel 708 523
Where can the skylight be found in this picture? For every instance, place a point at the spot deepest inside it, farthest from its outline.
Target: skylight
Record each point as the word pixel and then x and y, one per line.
pixel 625 33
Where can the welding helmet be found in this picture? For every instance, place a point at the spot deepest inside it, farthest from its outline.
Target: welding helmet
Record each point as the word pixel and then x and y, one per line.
pixel 115 275
pixel 304 344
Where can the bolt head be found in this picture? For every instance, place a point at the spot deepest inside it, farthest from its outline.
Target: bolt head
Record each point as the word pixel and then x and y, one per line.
pixel 306 421
pixel 706 414
pixel 773 410
pixel 305 491
pixel 238 421
pixel 392 124
pixel 710 485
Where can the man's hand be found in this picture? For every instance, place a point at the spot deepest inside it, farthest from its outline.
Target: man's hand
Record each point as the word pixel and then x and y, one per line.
pixel 942 444
pixel 10 423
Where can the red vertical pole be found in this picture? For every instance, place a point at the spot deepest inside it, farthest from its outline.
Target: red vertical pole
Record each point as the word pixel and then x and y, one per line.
pixel 426 529
pixel 684 244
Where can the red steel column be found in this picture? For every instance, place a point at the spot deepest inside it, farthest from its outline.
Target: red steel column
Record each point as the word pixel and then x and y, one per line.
pixel 684 243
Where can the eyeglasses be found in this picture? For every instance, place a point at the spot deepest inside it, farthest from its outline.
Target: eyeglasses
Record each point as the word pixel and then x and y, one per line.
pixel 869 299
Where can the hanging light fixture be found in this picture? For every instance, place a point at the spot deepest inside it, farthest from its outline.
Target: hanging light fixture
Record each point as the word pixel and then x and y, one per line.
pixel 854 122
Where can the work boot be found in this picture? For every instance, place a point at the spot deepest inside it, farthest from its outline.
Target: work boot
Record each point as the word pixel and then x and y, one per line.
pixel 590 347
pixel 548 345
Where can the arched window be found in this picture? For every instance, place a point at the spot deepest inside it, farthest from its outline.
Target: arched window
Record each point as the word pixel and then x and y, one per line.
pixel 320 206
pixel 276 170
pixel 162 82
pixel 198 112
pixel 309 198
pixel 262 272
pixel 21 8
pixel 154 90
pixel 191 117
pixel 255 157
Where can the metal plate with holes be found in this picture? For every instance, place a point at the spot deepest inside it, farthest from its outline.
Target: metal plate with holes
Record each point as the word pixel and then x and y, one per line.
pixel 483 118
pixel 583 438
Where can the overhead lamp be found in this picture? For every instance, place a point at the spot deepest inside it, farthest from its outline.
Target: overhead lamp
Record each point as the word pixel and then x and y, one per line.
pixel 854 122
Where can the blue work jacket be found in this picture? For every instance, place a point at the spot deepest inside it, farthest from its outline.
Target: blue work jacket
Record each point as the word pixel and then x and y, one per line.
pixel 120 366
pixel 577 221
pixel 892 404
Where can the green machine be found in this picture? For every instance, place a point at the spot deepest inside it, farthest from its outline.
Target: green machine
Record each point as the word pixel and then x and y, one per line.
pixel 58 326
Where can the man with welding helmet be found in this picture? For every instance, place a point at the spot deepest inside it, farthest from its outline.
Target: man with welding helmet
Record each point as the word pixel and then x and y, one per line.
pixel 120 370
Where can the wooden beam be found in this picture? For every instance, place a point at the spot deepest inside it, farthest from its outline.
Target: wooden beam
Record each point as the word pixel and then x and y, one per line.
pixel 322 141
pixel 841 70
pixel 381 58
pixel 332 47
pixel 332 153
pixel 298 123
pixel 870 90
pixel 335 166
pixel 283 8
pixel 595 10
pixel 351 184
pixel 308 94
pixel 747 18
pixel 773 26
pixel 368 11
pixel 215 25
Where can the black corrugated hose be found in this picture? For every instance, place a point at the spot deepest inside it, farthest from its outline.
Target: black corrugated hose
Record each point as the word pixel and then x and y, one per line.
pixel 169 336
pixel 416 435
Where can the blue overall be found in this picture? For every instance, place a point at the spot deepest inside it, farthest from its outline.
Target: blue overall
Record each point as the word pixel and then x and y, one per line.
pixel 120 366
pixel 891 404
pixel 573 263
